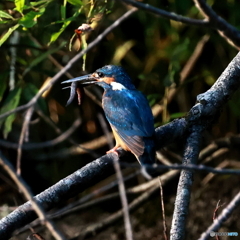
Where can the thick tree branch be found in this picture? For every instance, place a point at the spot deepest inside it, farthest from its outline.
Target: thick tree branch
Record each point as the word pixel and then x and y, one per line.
pixel 191 152
pixel 201 117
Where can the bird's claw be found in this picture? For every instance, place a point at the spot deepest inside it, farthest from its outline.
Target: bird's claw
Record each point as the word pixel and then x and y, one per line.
pixel 113 150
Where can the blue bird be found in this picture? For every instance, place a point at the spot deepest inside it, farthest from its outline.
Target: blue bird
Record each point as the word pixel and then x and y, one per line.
pixel 126 109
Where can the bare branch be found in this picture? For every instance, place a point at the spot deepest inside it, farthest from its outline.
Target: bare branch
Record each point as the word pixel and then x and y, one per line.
pixel 191 152
pixel 123 197
pixel 49 143
pixel 229 32
pixel 166 14
pixel 225 214
pixel 163 210
pixel 24 130
pixel 92 230
pixel 86 201
pixel 212 101
pixel 190 167
pixel 64 189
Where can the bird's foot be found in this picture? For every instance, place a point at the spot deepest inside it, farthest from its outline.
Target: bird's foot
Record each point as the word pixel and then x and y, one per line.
pixel 113 150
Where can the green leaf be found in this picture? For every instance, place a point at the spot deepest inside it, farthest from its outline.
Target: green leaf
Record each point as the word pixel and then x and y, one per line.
pixel 4 84
pixel 30 19
pixel 10 103
pixel 42 57
pixel 4 22
pixel 63 12
pixel 5 15
pixel 43 2
pixel 8 33
pixel 55 35
pixel 75 2
pixel 19 5
pixel 67 21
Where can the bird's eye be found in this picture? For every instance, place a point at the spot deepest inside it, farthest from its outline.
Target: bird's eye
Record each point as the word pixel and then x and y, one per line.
pixel 100 74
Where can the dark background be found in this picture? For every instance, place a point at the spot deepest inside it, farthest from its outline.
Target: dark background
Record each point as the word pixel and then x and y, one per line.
pixel 154 51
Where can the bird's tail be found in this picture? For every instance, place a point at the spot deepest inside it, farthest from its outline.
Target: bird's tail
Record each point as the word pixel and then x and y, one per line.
pixel 148 156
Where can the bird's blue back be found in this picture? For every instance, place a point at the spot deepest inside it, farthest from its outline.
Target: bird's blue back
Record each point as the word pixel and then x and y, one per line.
pixel 129 111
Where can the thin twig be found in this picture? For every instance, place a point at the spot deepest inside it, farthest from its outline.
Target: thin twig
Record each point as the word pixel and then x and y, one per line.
pixel 6 165
pixel 190 167
pixel 52 124
pixel 95 228
pixel 25 127
pixel 106 131
pixel 216 210
pixel 49 143
pixel 210 175
pixel 226 30
pixel 225 214
pixel 163 210
pixel 79 149
pixel 123 197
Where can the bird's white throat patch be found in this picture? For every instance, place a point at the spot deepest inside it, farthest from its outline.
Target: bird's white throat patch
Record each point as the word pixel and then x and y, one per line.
pixel 117 86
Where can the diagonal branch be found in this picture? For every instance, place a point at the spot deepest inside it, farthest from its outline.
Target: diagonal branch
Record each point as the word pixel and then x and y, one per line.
pixel 166 14
pixel 64 189
pixel 225 214
pixel 226 30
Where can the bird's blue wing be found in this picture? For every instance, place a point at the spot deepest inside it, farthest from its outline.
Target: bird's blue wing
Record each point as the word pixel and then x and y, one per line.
pixel 129 114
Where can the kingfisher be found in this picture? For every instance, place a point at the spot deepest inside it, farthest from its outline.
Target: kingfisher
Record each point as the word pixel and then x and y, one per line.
pixel 126 109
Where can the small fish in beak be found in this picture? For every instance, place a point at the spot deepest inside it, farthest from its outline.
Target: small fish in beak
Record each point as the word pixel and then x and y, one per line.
pixel 77 89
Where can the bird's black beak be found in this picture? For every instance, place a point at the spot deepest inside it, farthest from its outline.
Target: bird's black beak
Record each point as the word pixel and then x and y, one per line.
pixel 75 88
pixel 87 79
